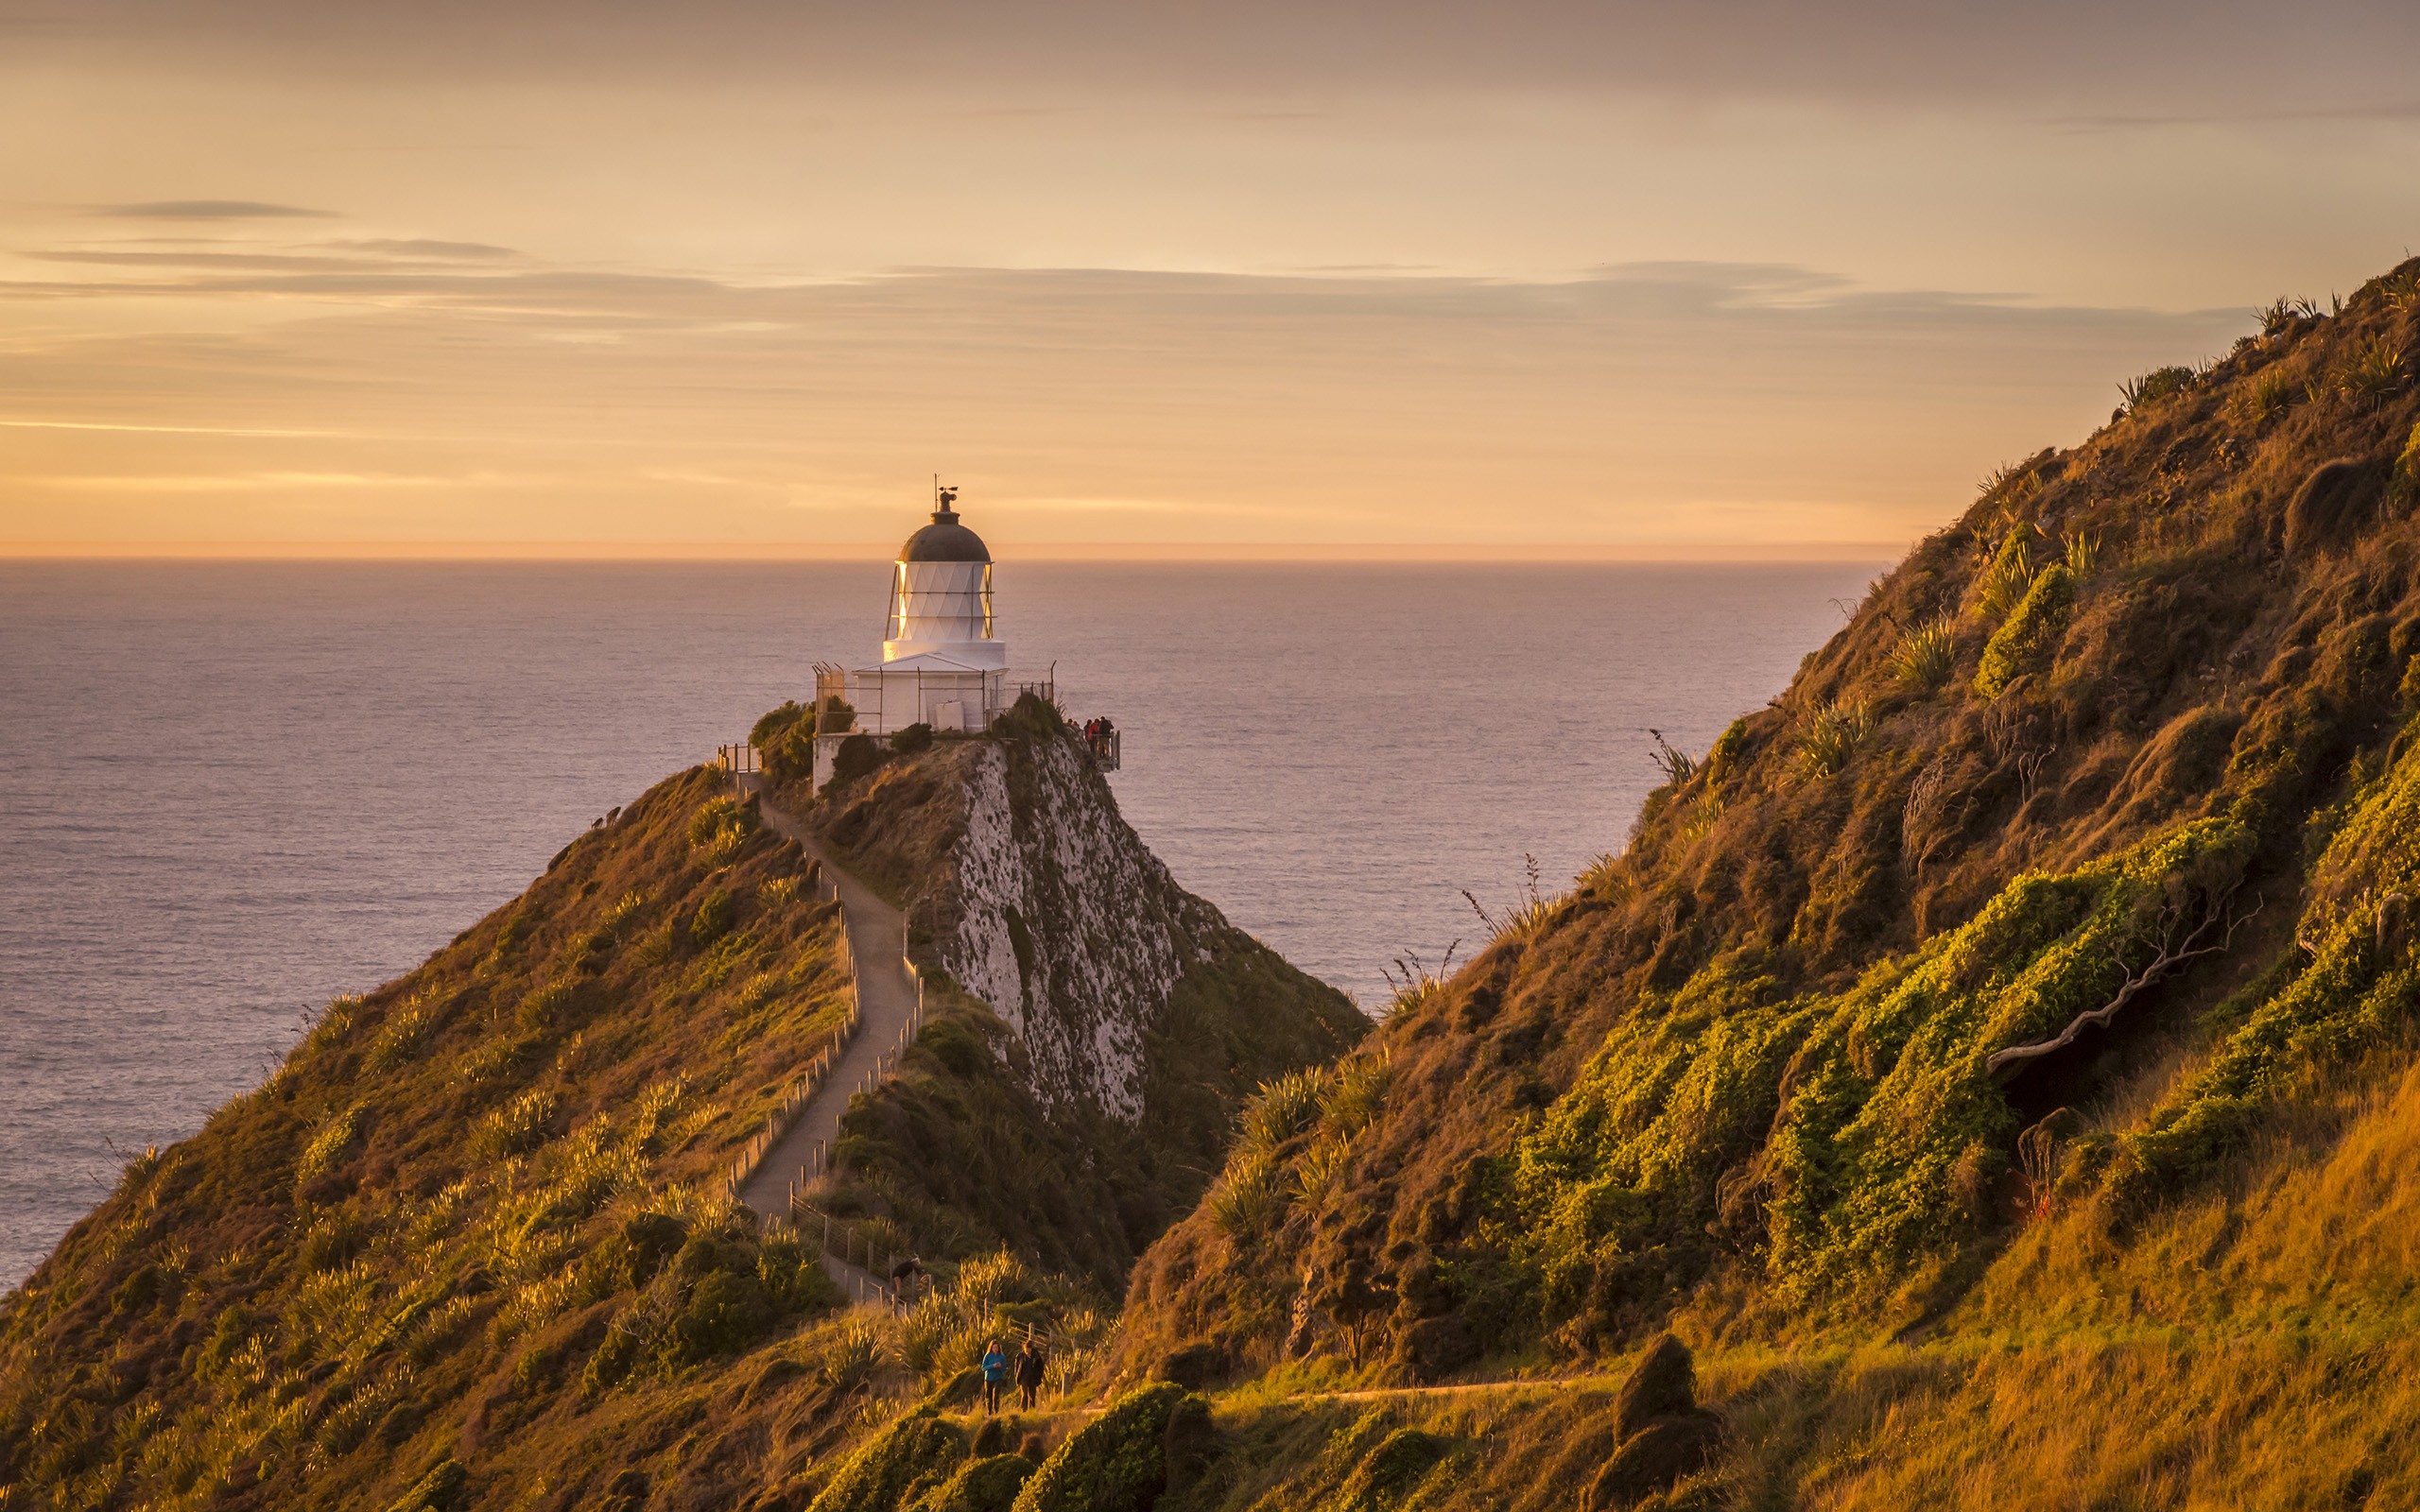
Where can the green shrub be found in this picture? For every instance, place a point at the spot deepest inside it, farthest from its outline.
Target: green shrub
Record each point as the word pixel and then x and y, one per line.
pixel 2083 553
pixel 405 1027
pixel 777 723
pixel 1250 1195
pixel 713 918
pixel 2270 393
pixel 716 815
pixel 892 1469
pixel 1033 717
pixel 439 1490
pixel 1355 1091
pixel 544 1008
pixel 786 739
pixel 1876 1155
pixel 333 1238
pixel 1389 1474
pixel 1113 1464
pixel 2351 996
pixel 836 717
pixel 2031 636
pixel 858 756
pixel 1925 654
pixel 649 1239
pixel 987 1484
pixel 2150 388
pixel 909 741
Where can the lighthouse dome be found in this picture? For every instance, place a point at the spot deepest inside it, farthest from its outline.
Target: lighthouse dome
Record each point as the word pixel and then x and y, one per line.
pixel 944 540
pixel 941 598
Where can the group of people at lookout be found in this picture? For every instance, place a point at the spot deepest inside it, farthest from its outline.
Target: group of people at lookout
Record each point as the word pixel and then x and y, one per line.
pixel 1098 735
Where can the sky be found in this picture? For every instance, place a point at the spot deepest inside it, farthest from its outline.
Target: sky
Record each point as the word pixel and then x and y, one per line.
pixel 737 278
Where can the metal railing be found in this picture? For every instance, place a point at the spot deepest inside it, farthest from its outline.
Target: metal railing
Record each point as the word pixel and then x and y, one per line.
pixel 810 1222
pixel 739 759
pixel 801 1092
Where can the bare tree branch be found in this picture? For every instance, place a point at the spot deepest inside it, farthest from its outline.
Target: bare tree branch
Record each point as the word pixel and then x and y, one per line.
pixel 2168 953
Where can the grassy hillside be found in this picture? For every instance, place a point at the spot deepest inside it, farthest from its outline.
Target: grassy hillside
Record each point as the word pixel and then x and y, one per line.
pixel 1992 1054
pixel 466 1247
pixel 462 1231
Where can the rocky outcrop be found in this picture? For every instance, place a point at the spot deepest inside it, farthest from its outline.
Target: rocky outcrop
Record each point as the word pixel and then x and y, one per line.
pixel 1024 882
pixel 1664 1434
pixel 1065 924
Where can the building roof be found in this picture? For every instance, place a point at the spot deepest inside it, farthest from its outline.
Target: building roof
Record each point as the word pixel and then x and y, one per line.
pixel 925 661
pixel 944 540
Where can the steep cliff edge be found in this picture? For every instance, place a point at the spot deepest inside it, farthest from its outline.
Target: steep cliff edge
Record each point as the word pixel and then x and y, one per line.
pixel 1087 997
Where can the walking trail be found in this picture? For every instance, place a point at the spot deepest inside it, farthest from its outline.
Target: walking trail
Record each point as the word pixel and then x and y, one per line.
pixel 887 998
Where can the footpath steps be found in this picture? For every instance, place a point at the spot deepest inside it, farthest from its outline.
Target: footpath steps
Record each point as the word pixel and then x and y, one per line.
pixel 888 1012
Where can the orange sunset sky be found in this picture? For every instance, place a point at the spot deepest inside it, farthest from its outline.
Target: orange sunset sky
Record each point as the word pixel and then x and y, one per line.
pixel 735 278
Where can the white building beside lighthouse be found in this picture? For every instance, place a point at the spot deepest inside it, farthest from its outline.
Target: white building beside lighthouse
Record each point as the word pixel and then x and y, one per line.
pixel 943 662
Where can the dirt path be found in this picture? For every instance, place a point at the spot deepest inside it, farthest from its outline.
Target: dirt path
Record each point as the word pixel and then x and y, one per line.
pixel 886 1005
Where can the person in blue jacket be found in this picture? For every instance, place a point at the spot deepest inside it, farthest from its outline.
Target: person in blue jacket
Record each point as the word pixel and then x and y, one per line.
pixel 995 1374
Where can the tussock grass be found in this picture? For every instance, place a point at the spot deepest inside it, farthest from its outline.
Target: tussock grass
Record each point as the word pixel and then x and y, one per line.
pixel 2266 395
pixel 2008 573
pixel 2374 370
pixel 1832 733
pixel 1282 1109
pixel 2150 387
pixel 1926 655
pixel 1249 1196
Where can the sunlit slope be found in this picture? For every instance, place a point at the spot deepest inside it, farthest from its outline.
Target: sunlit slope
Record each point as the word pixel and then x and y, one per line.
pixel 469 1206
pixel 2041 933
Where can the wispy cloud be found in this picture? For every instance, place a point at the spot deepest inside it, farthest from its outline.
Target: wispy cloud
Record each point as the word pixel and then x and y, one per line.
pixel 1662 402
pixel 209 209
pixel 465 252
pixel 161 430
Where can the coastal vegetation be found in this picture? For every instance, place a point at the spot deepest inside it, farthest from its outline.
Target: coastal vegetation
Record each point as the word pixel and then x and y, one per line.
pixel 1989 1076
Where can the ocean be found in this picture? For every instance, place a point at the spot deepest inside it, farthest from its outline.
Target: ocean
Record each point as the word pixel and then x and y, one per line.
pixel 232 791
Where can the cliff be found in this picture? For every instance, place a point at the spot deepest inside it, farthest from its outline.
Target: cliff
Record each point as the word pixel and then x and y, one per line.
pixel 1119 1013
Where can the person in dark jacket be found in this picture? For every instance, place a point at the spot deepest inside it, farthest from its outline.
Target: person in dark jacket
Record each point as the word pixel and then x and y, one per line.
pixel 1030 1364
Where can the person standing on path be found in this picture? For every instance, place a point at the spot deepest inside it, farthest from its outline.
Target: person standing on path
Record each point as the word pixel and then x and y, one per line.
pixel 904 1278
pixel 1030 1364
pixel 995 1374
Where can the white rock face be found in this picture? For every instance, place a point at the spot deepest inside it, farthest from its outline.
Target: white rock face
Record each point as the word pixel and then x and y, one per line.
pixel 1065 923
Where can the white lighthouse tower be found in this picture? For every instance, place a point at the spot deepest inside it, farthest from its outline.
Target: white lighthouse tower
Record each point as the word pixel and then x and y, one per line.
pixel 943 663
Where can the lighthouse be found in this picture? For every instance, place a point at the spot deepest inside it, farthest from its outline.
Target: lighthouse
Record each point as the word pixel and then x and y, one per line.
pixel 943 663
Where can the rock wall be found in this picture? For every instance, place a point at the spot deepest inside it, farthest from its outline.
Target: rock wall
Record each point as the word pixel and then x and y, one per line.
pixel 1053 912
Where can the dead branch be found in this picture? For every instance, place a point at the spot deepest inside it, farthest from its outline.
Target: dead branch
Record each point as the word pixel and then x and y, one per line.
pixel 1921 830
pixel 2169 954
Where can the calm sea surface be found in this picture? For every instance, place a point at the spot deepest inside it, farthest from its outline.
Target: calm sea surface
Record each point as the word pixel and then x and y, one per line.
pixel 229 792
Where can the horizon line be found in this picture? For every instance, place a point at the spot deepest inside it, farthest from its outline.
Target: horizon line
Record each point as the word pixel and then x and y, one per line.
pixel 573 551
